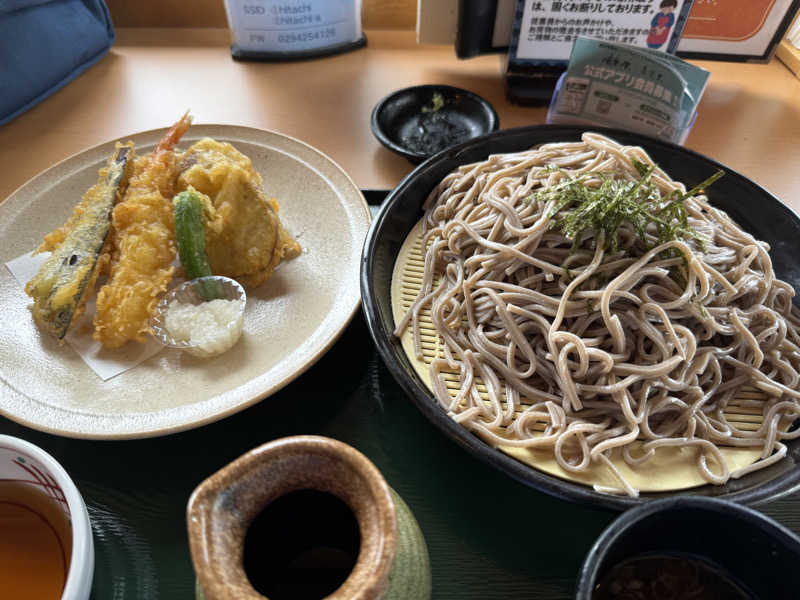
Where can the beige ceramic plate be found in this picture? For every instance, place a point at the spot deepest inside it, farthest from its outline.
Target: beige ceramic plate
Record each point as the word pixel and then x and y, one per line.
pixel 289 322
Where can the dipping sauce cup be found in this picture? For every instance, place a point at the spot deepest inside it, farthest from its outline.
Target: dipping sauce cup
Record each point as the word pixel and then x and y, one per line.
pixel 687 546
pixel 46 547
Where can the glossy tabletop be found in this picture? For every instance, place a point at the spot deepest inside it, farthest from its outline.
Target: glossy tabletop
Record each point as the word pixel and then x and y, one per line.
pixel 488 535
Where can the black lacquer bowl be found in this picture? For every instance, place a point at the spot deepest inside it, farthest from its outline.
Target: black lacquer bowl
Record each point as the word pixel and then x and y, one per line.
pixel 758 211
pixel 745 546
pixel 419 121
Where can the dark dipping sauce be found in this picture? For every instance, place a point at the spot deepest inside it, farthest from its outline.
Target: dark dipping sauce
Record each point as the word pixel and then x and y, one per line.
pixel 302 546
pixel 668 577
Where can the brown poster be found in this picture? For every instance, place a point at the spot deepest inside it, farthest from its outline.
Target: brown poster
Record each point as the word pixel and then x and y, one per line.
pixel 726 19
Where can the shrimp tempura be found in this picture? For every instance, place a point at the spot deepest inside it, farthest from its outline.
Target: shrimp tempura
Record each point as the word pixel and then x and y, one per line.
pixel 143 229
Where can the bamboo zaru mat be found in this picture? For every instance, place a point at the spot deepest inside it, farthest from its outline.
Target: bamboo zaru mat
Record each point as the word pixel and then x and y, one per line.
pixel 669 469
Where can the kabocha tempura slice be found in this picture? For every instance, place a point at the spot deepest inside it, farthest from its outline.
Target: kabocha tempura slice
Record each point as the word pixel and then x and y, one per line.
pixel 245 239
pixel 67 278
pixel 144 246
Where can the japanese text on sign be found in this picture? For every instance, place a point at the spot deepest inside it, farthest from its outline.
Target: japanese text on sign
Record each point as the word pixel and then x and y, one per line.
pixel 548 28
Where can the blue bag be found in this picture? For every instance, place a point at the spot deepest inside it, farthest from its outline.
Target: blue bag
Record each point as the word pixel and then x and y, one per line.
pixel 44 44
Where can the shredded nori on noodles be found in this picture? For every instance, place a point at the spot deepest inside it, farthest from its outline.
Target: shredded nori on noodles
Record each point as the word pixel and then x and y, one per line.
pixel 582 211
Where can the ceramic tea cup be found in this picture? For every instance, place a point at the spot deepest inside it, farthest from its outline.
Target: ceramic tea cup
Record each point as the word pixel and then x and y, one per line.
pixel 44 527
pixel 304 516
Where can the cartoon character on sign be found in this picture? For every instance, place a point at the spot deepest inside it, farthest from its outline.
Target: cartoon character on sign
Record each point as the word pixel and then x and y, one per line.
pixel 662 23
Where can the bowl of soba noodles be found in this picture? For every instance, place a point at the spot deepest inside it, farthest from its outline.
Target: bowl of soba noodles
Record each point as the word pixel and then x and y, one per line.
pixel 606 317
pixel 691 547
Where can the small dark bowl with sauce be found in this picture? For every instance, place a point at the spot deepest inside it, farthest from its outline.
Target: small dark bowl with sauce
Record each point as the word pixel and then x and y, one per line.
pixel 692 547
pixel 420 121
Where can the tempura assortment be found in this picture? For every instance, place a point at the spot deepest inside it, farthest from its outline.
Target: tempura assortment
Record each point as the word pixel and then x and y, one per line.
pixel 124 229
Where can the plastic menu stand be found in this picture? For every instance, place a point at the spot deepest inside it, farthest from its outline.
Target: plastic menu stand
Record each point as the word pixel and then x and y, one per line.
pixel 554 119
pixel 626 87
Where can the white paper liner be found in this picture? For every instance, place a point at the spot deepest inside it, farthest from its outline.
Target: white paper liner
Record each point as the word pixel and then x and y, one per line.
pixel 105 362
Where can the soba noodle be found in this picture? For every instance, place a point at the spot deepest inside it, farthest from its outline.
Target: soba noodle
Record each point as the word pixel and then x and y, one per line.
pixel 584 348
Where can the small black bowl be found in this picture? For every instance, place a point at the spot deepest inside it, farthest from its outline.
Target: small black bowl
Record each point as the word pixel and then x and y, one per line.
pixel 417 122
pixel 752 550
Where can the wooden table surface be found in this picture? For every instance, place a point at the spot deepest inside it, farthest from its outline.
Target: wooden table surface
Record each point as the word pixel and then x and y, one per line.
pixel 749 117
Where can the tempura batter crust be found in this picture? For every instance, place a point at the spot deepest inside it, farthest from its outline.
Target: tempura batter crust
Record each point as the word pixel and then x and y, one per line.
pixel 245 239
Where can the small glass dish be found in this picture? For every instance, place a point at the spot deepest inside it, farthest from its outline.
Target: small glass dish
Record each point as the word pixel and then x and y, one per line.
pixel 218 337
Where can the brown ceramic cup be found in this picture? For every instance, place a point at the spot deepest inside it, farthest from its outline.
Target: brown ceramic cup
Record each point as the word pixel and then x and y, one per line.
pixel 223 506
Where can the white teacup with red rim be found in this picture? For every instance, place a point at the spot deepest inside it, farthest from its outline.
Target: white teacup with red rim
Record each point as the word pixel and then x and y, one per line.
pixel 46 546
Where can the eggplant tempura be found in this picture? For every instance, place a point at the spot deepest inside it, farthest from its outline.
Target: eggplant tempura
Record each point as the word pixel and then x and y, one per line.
pixel 79 249
pixel 125 227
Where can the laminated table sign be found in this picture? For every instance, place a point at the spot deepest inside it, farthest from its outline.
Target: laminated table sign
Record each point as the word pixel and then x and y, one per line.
pixel 544 32
pixel 45 44
pixel 742 32
pixel 278 30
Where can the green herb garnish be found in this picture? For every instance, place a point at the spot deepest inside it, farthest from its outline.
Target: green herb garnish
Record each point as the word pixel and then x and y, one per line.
pixel 582 211
pixel 437 102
